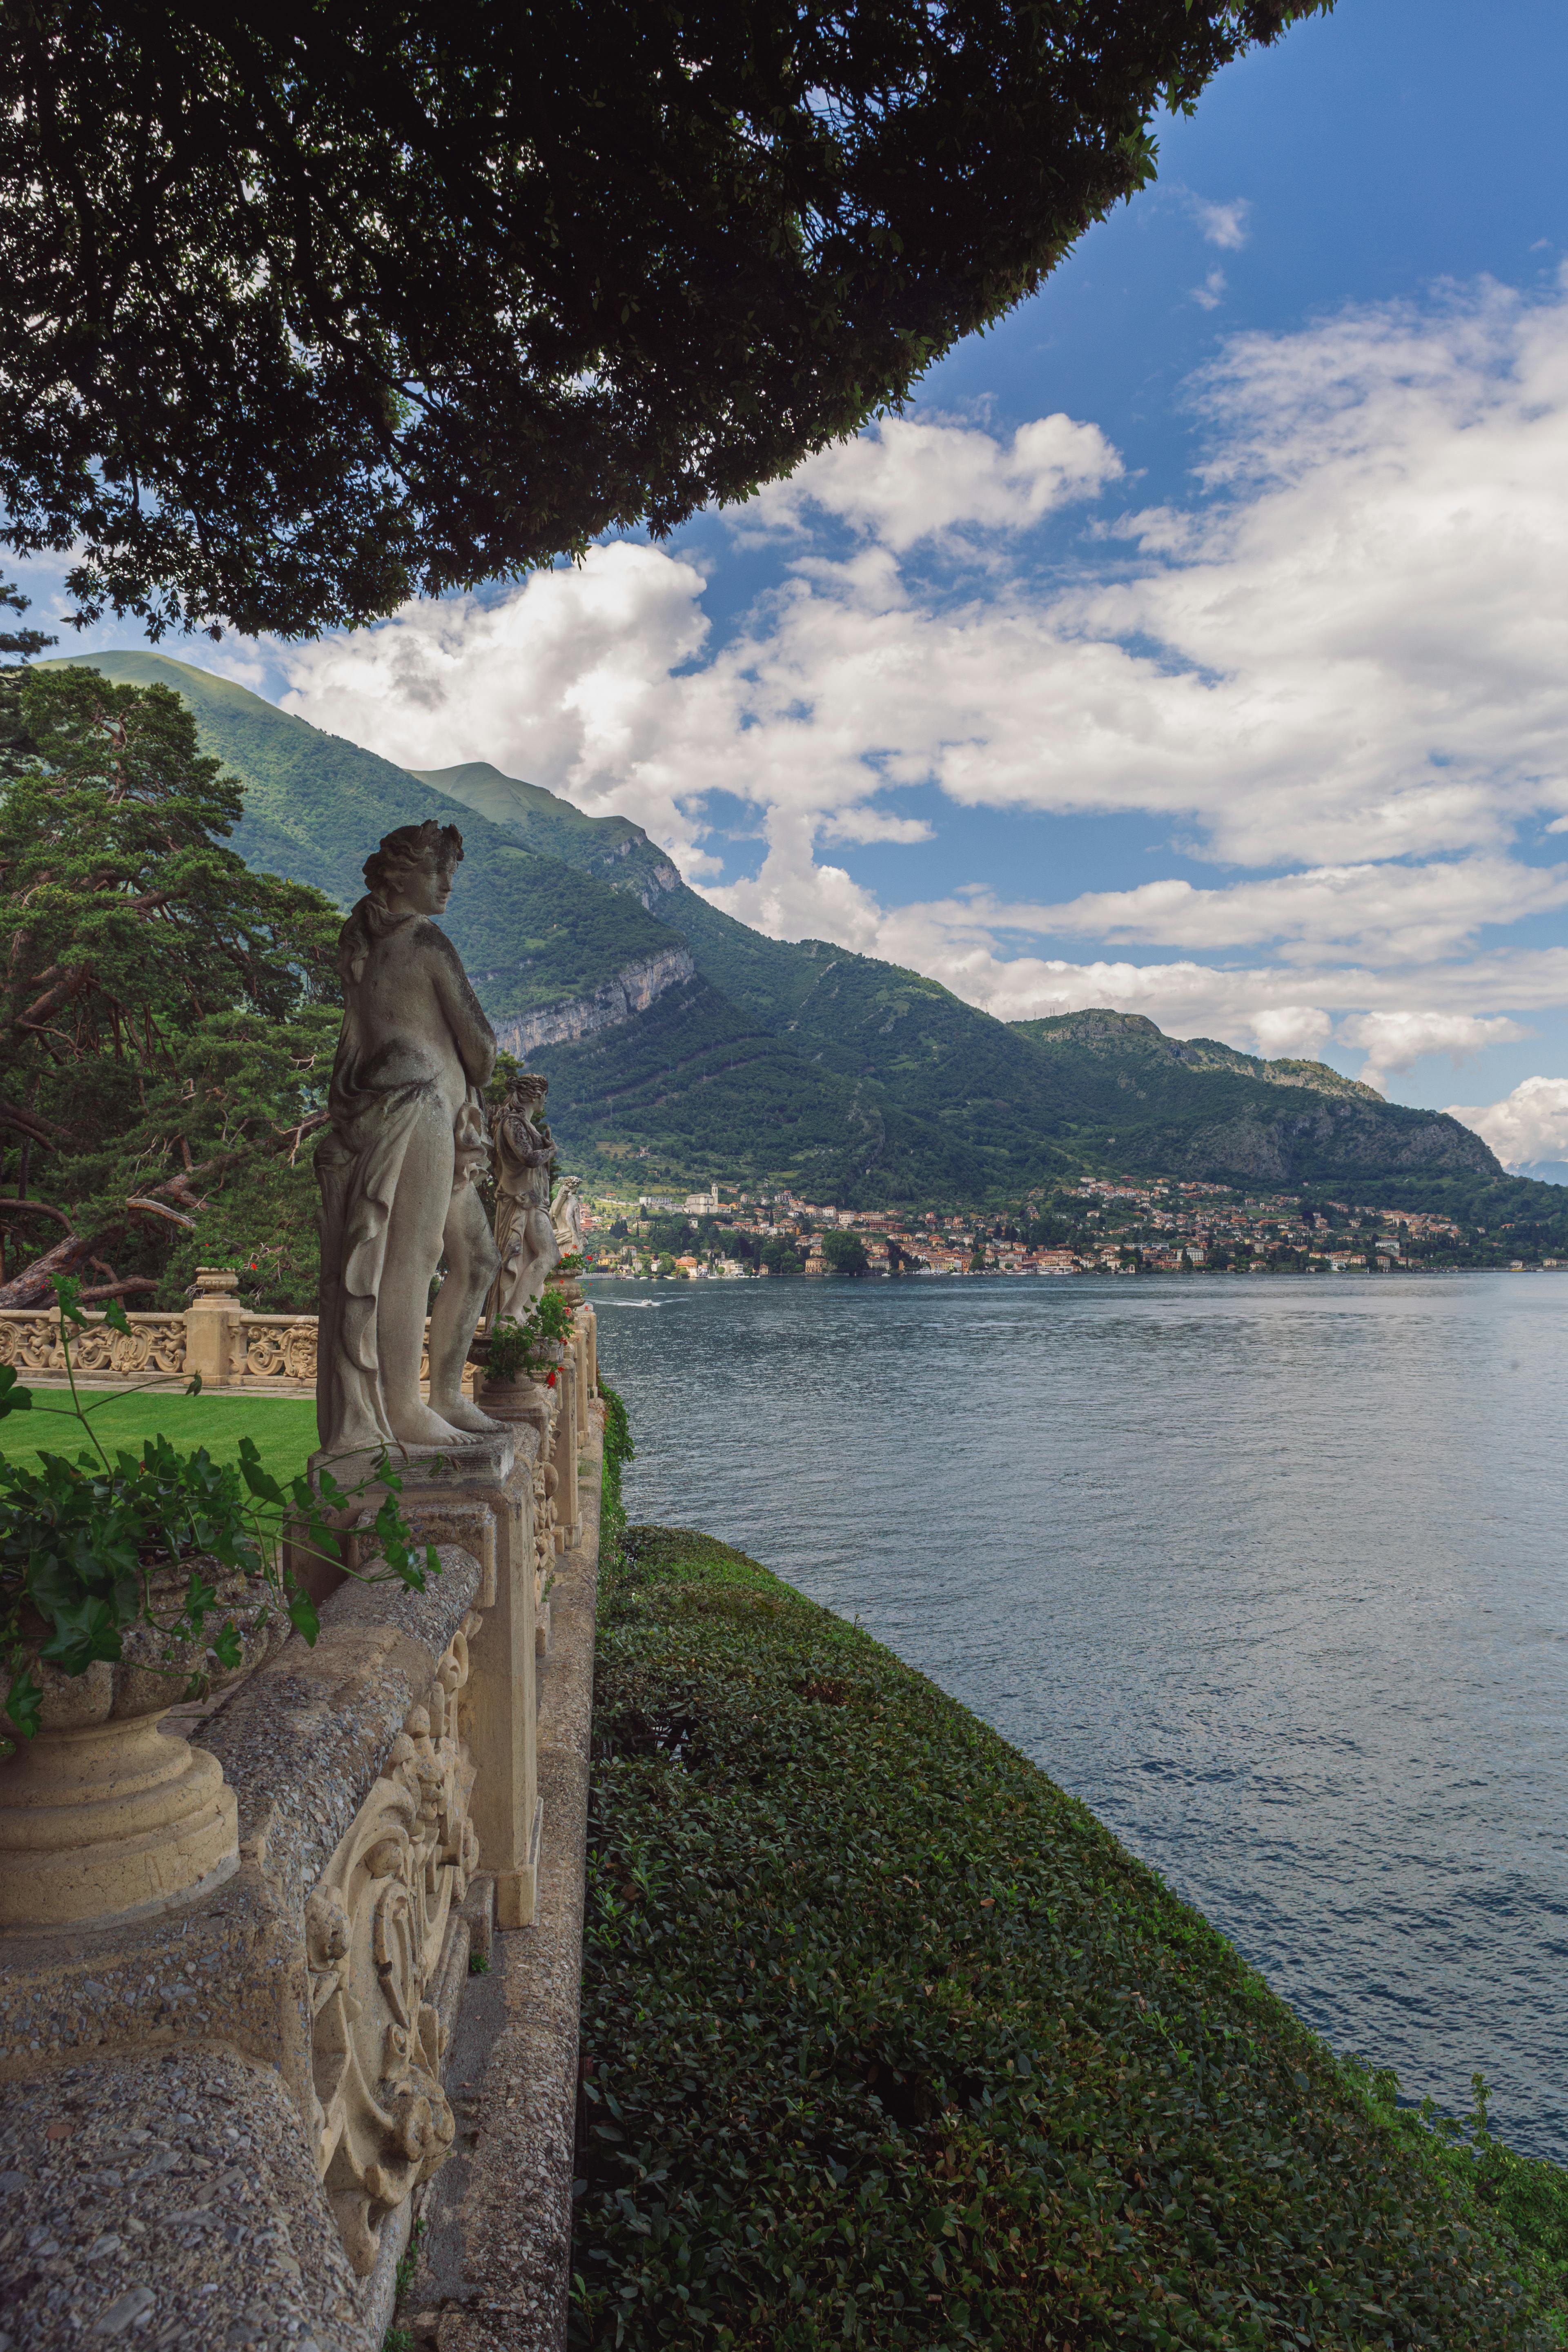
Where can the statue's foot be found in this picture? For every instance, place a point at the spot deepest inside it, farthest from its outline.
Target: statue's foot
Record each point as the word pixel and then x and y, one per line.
pixel 464 1415
pixel 420 1426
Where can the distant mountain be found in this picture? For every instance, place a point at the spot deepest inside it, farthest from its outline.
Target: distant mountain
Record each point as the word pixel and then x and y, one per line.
pixel 1543 1171
pixel 681 1043
pixel 977 1104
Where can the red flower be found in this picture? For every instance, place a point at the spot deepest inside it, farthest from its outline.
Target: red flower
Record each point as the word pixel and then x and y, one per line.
pixel 549 1383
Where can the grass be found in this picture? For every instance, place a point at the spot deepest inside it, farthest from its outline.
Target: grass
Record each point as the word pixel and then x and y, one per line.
pixel 284 1428
pixel 888 2043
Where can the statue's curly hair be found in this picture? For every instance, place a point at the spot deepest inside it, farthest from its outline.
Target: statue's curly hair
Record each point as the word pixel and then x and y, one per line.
pixel 429 848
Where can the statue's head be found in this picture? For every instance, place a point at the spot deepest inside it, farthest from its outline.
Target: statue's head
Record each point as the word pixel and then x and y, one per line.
pixel 527 1089
pixel 412 859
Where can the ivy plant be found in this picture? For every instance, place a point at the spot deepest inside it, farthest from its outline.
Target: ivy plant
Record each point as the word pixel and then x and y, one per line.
pixel 84 1544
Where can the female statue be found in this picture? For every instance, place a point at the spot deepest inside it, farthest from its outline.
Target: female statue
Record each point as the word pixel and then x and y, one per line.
pixel 397 1164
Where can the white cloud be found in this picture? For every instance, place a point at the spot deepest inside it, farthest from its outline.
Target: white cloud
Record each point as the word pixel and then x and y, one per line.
pixel 905 481
pixel 1211 293
pixel 1226 225
pixel 1396 1040
pixel 1403 913
pixel 1530 1124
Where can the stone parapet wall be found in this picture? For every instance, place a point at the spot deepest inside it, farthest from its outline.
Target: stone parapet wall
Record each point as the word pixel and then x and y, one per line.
pixel 219 2113
pixel 276 1352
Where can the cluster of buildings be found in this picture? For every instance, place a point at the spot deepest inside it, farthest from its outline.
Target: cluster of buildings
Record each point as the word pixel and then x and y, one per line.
pixel 1099 1226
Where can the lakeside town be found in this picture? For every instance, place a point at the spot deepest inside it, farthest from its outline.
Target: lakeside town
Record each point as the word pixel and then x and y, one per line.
pixel 1098 1227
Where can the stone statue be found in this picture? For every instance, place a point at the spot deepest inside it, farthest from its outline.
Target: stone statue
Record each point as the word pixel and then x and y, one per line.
pixel 396 1167
pixel 525 1237
pixel 566 1215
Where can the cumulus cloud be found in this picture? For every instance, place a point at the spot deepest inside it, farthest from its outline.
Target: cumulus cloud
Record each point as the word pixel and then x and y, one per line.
pixel 906 482
pixel 1226 225
pixel 1530 1124
pixel 1400 912
pixel 1395 1040
pixel 1341 670
pixel 1211 293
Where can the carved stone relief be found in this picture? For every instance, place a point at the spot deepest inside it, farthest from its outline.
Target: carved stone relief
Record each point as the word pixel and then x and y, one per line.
pixel 280 1346
pixel 32 1342
pixel 546 1479
pixel 375 1927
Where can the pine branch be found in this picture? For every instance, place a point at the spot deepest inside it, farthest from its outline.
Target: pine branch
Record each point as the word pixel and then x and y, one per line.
pixel 118 1289
pixel 37 1209
pixel 47 1131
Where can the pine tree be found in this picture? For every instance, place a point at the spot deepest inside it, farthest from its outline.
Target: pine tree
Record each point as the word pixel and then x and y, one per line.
pixel 167 1017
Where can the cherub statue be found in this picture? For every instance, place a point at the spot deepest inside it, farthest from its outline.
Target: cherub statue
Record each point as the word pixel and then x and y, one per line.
pixel 566 1215
pixel 396 1166
pixel 525 1237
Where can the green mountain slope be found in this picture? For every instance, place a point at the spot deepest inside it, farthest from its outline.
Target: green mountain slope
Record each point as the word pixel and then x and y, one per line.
pixel 612 848
pixel 530 929
pixel 1195 1107
pixel 855 1079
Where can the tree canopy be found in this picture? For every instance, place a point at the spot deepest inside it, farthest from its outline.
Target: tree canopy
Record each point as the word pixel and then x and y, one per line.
pixel 304 313
pixel 169 1017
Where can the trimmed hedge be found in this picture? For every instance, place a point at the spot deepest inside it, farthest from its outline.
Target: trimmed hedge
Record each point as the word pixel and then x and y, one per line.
pixel 888 2043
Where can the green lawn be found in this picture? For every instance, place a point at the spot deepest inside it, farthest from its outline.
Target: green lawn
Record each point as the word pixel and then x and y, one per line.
pixel 284 1428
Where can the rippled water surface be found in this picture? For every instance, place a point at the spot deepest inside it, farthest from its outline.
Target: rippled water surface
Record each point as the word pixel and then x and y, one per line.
pixel 1269 1571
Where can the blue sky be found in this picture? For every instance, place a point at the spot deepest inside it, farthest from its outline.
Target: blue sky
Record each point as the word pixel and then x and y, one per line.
pixel 1195 643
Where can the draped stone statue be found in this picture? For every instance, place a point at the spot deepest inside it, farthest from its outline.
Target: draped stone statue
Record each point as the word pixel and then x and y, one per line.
pixel 397 1167
pixel 525 1237
pixel 566 1215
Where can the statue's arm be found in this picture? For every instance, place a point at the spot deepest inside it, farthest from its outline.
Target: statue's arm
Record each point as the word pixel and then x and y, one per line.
pixel 465 1016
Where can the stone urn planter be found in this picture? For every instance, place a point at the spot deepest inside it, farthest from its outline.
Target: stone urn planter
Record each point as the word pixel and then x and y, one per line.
pixel 514 1396
pixel 102 1813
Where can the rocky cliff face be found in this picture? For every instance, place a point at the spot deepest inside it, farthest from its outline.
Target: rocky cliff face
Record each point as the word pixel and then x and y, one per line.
pixel 629 992
pixel 652 877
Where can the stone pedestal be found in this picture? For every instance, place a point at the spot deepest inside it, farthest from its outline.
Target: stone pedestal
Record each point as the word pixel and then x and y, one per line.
pixel 481 1496
pixel 215 1328
pixel 104 1817
pixel 579 1366
pixel 108 1819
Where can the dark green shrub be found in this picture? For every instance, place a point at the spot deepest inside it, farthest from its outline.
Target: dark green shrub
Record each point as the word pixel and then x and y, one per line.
pixel 886 2041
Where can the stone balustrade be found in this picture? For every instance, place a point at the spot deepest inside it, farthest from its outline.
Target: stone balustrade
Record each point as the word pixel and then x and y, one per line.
pixel 229 1345
pixel 222 2105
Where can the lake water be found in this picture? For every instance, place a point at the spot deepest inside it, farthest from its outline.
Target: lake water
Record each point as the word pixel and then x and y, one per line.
pixel 1269 1570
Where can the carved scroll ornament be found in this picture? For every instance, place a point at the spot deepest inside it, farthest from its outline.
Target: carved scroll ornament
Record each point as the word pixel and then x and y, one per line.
pixel 546 1479
pixel 375 1927
pixel 280 1346
pixel 154 1343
